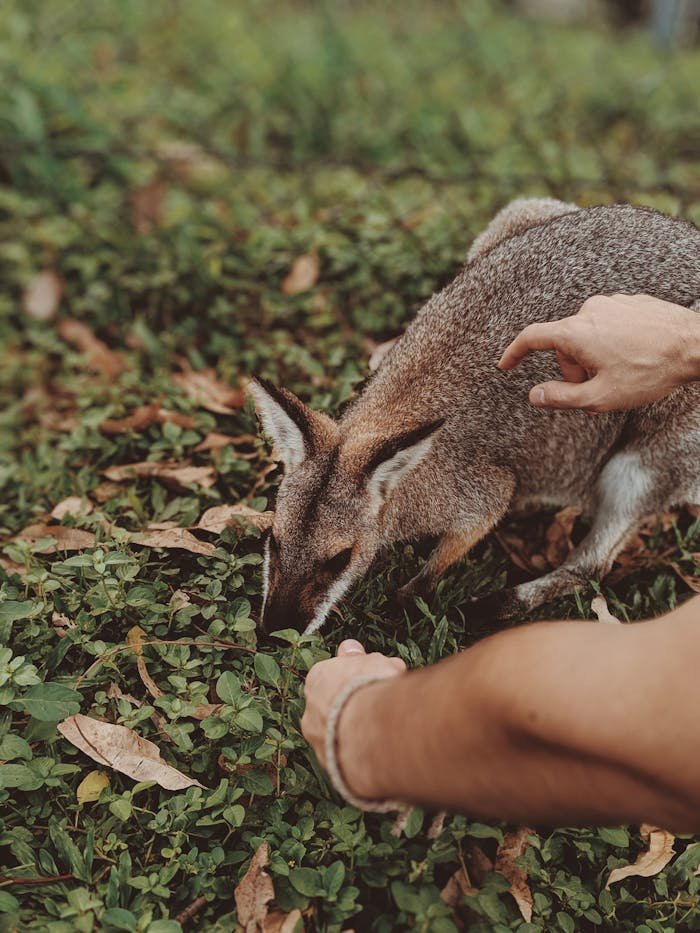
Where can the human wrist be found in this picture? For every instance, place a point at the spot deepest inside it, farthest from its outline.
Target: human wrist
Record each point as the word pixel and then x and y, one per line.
pixel 691 348
pixel 363 738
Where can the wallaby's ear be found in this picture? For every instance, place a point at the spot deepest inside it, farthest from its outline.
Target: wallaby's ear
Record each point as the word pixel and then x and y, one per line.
pixel 396 456
pixel 286 419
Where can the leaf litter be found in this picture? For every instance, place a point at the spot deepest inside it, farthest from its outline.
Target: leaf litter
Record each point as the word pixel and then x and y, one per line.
pixel 123 750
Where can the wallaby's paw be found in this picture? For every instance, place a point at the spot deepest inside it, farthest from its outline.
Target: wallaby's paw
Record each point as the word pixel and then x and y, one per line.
pixel 416 588
pixel 503 606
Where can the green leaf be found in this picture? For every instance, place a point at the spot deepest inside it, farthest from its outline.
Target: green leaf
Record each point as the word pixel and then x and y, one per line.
pixel 24 777
pixel 249 719
pixel 307 881
pixel 49 702
pixel 116 918
pixel 8 903
pixel 14 746
pixel 228 688
pixel 333 878
pixel 13 609
pixel 615 837
pixel 267 670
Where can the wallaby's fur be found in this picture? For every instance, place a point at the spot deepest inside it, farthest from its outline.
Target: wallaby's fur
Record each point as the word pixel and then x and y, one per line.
pixel 443 443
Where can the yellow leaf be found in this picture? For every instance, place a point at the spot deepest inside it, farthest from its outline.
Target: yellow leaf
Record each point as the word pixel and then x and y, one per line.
pixel 92 786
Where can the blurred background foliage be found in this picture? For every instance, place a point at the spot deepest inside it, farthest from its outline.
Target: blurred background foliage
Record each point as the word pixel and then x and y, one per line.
pixel 165 165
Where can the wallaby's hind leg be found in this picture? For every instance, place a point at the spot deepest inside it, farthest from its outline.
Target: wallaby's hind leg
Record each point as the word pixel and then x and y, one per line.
pixel 627 491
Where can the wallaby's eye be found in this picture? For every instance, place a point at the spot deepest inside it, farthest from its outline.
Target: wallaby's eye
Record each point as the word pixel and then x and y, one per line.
pixel 339 561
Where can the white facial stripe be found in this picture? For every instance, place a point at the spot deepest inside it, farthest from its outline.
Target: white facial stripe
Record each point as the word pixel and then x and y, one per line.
pixel 266 577
pixel 337 590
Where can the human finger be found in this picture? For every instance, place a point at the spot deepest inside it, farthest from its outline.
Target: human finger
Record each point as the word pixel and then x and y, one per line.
pixel 545 336
pixel 350 646
pixel 566 395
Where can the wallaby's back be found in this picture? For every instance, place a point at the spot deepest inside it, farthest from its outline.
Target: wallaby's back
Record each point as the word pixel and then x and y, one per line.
pixel 445 363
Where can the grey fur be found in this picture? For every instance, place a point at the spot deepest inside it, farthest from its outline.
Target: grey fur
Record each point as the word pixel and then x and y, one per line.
pixel 538 260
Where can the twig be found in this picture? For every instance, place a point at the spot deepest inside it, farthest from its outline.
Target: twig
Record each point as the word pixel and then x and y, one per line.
pixel 49 879
pixel 191 911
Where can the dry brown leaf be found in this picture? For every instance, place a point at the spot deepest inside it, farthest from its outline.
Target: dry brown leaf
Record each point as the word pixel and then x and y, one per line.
pixel 437 825
pixel 303 275
pixel 65 539
pixel 105 491
pixel 99 356
pixel 558 535
pixel 189 161
pixel 73 505
pixel 219 517
pixel 254 892
pixel 513 846
pixel 599 605
pixel 458 885
pixel 42 296
pixel 209 392
pixel 143 417
pixel 651 862
pixel 379 353
pixel 123 750
pixel 11 567
pixel 61 623
pixel 174 475
pixel 178 601
pixel 147 205
pixel 134 638
pixel 215 441
pixel 518 553
pixel 278 922
pixel 205 710
pixel 476 861
pixel 174 538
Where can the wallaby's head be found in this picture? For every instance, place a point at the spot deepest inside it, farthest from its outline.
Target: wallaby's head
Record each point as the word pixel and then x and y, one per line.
pixel 328 523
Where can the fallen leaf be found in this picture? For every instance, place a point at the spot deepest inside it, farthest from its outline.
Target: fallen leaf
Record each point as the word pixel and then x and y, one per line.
pixel 254 892
pixel 134 638
pixel 61 623
pixel 174 538
pixel 42 296
pixel 519 554
pixel 92 786
pixel 379 353
pixel 123 750
pixel 558 536
pixel 147 204
pixel 209 392
pixel 99 356
pixel 651 862
pixel 279 922
pixel 105 491
pixel 219 517
pixel 303 275
pixel 178 601
pixel 216 441
pixel 437 825
pixel 513 846
pixel 205 710
pixel 11 567
pixel 458 885
pixel 174 475
pixel 65 539
pixel 189 161
pixel 599 605
pixel 476 861
pixel 143 417
pixel 73 505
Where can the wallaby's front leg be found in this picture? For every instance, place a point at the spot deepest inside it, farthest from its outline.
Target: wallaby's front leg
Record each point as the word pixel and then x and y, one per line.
pixel 452 547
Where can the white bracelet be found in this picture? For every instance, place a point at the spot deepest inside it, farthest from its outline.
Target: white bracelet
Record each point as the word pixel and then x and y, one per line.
pixel 332 764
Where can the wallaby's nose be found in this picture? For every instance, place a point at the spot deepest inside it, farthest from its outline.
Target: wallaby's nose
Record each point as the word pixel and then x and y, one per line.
pixel 280 614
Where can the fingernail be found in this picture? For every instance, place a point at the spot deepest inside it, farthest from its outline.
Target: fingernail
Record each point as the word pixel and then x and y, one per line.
pixel 538 397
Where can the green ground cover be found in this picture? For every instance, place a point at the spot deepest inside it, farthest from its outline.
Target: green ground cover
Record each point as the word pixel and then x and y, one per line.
pixel 165 164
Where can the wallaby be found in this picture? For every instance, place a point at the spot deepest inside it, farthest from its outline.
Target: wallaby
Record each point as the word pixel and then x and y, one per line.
pixel 442 443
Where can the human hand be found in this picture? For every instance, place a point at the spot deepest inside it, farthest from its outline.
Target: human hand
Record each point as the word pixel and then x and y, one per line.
pixel 618 352
pixel 323 682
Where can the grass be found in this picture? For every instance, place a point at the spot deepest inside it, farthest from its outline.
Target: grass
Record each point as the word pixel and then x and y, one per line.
pixel 169 161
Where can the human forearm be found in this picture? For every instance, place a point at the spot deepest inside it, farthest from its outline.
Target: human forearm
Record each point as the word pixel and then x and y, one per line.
pixel 549 723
